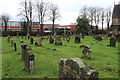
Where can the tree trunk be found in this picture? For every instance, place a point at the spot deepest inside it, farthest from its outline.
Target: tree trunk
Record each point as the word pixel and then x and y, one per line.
pixel 108 25
pixel 53 26
pixel 102 26
pixel 5 26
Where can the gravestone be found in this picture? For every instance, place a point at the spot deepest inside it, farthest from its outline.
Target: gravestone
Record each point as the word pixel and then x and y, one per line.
pixel 36 43
pixel 8 39
pixel 29 60
pixel 40 41
pixel 77 39
pixel 22 36
pixel 31 40
pixel 23 51
pixel 51 40
pixel 12 42
pixel 58 41
pixel 15 47
pixel 86 52
pixel 28 35
pixel 98 37
pixel 17 34
pixel 112 42
pixel 75 68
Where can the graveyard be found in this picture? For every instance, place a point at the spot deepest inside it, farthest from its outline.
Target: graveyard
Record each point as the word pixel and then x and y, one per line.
pixel 47 57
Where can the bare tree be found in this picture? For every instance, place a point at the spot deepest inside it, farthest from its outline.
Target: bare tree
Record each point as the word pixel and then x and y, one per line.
pixel 97 13
pixel 26 13
pixel 41 9
pixel 102 17
pixel 5 19
pixel 108 16
pixel 54 14
pixel 84 11
pixel 91 11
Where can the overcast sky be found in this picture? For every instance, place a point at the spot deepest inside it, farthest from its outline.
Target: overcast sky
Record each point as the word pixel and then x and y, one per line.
pixel 69 9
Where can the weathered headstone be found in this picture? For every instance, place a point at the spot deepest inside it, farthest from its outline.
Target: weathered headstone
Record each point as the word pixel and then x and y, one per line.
pixel 12 42
pixel 29 60
pixel 75 68
pixel 36 43
pixel 58 41
pixel 22 36
pixel 28 35
pixel 51 40
pixel 8 39
pixel 86 52
pixel 31 40
pixel 40 41
pixel 15 47
pixel 77 39
pixel 17 34
pixel 23 50
pixel 112 42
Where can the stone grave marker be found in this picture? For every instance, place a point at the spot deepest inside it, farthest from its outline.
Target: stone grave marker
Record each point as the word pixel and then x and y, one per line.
pixel 112 42
pixel 15 47
pixel 28 35
pixel 40 41
pixel 36 43
pixel 29 60
pixel 58 41
pixel 17 34
pixel 8 39
pixel 86 52
pixel 12 42
pixel 77 39
pixel 31 40
pixel 22 36
pixel 23 51
pixel 51 40
pixel 75 68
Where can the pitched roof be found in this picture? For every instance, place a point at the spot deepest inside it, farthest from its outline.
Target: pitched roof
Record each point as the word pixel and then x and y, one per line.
pixel 116 11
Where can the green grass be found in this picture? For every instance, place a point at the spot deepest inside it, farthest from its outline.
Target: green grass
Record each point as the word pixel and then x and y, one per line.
pixel 47 60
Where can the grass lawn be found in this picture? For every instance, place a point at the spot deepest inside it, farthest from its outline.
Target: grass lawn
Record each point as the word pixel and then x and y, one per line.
pixel 103 58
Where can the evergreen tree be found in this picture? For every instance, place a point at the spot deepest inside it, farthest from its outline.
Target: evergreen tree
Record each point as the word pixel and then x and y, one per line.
pixel 83 25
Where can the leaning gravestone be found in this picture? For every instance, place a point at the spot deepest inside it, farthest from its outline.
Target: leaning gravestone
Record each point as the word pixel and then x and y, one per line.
pixel 77 39
pixel 75 68
pixel 29 60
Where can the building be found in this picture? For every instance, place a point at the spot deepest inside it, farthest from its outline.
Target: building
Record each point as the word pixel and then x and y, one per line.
pixel 17 26
pixel 115 27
